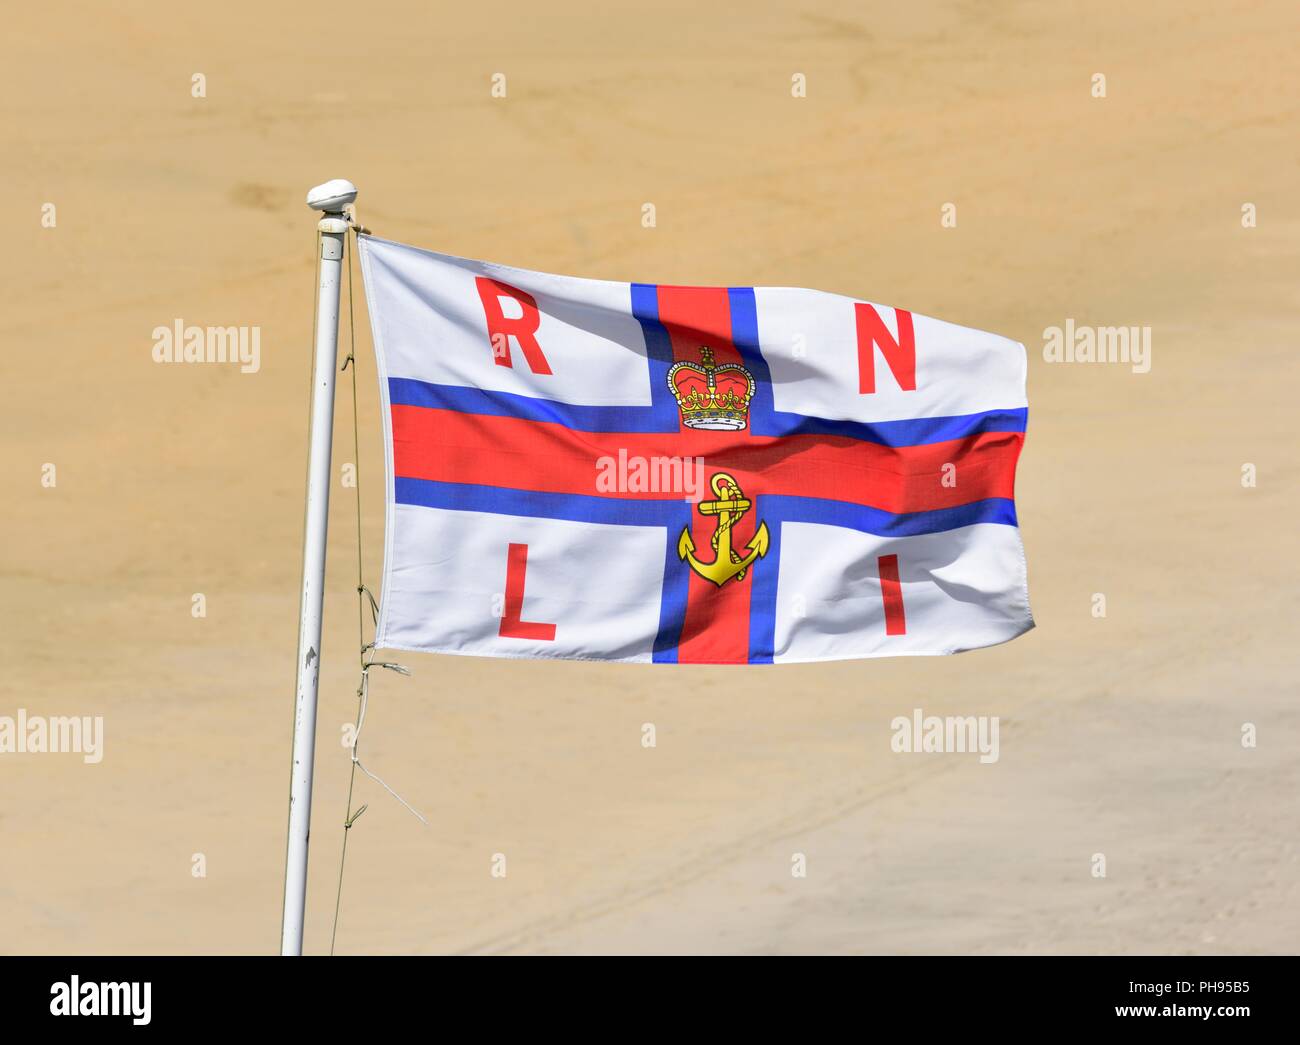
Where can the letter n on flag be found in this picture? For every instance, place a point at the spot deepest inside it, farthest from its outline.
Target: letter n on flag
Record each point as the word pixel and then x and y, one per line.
pixel 593 470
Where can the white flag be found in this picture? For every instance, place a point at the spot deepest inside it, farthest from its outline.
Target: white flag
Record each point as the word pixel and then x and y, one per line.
pixel 610 471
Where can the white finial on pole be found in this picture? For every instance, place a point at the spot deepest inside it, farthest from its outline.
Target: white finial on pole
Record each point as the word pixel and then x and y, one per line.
pixel 332 198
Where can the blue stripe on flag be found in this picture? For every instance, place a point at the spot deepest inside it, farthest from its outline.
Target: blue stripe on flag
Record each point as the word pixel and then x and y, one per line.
pixel 915 432
pixel 744 335
pixel 575 507
pixel 675 514
pixel 762 599
pixel 404 391
pixel 792 508
pixel 672 606
pixel 659 352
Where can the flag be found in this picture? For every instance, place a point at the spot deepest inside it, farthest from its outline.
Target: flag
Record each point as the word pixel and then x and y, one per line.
pixel 594 470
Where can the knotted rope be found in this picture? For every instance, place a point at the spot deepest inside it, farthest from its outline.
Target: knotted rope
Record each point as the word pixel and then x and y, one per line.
pixel 364 596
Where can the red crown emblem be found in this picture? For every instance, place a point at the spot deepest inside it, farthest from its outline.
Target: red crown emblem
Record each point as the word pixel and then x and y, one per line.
pixel 713 397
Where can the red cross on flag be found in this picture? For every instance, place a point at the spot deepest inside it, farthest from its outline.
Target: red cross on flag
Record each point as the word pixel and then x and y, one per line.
pixel 596 470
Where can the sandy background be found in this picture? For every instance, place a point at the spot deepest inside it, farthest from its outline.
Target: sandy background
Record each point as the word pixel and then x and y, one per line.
pixel 1119 735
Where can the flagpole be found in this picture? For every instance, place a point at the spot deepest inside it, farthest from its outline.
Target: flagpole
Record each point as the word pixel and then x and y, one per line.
pixel 330 198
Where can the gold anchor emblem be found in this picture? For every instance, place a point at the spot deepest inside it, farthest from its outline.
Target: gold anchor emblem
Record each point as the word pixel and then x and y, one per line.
pixel 730 505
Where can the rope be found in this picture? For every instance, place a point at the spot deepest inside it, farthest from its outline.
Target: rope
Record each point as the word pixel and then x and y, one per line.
pixel 728 517
pixel 364 595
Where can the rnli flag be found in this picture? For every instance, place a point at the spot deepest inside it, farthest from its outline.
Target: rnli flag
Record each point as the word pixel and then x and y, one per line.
pixel 591 470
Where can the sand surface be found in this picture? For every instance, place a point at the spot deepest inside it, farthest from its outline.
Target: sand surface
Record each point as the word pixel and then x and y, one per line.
pixel 1120 735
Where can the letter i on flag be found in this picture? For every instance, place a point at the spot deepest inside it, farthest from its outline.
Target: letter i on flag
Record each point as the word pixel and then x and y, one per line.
pixel 592 470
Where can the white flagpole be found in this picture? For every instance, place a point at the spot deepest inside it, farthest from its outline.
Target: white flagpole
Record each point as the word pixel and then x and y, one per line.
pixel 330 198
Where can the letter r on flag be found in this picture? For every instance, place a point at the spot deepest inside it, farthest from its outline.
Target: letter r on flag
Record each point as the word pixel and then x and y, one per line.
pixel 501 327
